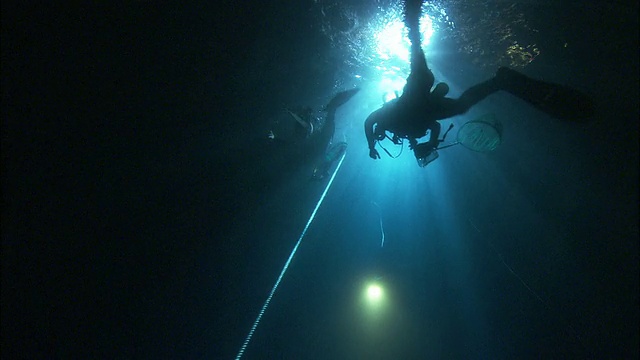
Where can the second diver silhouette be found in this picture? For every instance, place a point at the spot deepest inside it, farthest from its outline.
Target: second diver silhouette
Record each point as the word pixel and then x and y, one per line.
pixel 319 140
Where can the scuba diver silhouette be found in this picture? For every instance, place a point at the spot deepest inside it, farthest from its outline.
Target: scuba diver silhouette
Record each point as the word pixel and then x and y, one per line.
pixel 313 135
pixel 331 151
pixel 306 122
pixel 310 129
pixel 418 109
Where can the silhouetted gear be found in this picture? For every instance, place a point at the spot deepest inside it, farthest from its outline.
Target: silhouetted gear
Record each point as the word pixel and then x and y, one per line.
pixel 559 101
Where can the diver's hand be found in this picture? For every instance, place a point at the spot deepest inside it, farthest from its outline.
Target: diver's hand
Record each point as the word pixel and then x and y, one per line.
pixel 373 153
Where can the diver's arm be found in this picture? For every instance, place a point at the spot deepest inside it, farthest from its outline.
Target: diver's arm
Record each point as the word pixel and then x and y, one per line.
pixel 434 126
pixel 368 132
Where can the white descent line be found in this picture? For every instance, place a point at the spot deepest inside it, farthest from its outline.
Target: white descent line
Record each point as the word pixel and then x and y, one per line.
pixel 286 265
pixel 381 227
pixel 382 230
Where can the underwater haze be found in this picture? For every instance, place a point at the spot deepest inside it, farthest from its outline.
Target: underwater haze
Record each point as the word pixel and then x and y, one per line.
pixel 160 202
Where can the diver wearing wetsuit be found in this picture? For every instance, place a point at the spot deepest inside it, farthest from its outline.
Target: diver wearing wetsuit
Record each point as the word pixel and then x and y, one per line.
pixel 418 109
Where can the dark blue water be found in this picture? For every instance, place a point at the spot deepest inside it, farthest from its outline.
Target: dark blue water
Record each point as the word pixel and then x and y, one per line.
pixel 146 214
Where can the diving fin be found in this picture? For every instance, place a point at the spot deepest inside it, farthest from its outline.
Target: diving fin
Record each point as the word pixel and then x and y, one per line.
pixel 559 101
pixel 340 98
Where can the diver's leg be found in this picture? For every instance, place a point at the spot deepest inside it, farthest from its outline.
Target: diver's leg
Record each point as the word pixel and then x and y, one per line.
pixel 556 100
pixel 340 98
pixel 447 107
pixel 475 94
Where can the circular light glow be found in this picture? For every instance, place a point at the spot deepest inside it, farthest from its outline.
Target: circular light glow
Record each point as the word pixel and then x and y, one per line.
pixel 374 292
pixel 374 302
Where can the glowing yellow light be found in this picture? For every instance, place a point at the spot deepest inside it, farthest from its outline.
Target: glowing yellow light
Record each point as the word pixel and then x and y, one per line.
pixel 374 292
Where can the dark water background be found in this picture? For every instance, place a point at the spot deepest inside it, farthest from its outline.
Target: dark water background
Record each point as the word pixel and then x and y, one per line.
pixel 141 218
